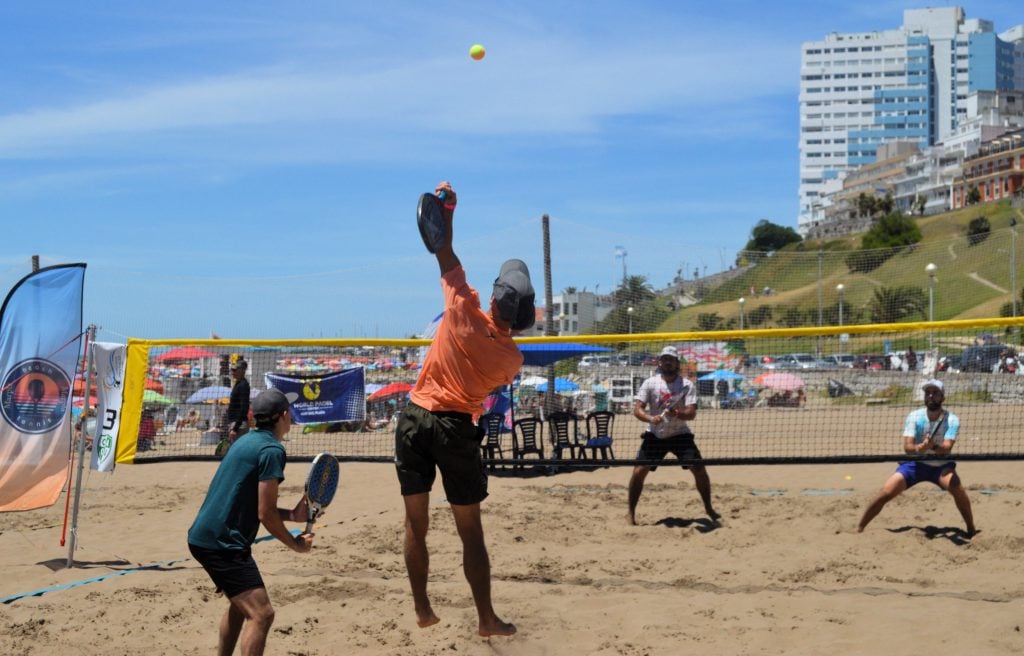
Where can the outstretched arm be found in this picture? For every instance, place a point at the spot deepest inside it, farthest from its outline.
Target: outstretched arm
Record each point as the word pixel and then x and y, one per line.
pixel 446 257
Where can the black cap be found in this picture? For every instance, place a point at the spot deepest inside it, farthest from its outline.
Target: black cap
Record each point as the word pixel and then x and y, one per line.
pixel 272 402
pixel 513 295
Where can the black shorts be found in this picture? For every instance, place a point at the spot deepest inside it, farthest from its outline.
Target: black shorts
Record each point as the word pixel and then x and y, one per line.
pixel 233 571
pixel 655 448
pixel 426 441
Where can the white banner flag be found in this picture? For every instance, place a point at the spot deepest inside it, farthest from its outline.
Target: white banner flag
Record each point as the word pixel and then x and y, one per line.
pixel 109 359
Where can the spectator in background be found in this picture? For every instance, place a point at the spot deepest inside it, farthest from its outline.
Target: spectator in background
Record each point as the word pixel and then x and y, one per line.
pixel 238 403
pixel 911 359
pixel 147 431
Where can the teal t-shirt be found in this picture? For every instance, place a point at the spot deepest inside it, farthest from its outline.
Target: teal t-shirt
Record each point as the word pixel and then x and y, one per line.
pixel 229 516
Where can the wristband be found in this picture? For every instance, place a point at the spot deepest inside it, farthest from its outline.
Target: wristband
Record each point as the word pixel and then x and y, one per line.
pixel 449 206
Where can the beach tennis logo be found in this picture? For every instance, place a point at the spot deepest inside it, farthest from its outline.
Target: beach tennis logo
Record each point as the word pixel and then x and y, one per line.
pixel 34 396
pixel 311 390
pixel 112 379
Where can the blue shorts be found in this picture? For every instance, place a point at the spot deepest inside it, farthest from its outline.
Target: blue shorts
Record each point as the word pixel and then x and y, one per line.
pixel 919 472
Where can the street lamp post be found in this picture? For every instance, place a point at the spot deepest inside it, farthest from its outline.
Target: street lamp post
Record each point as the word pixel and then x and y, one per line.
pixel 930 270
pixel 1013 275
pixel 840 288
pixel 742 301
pixel 629 313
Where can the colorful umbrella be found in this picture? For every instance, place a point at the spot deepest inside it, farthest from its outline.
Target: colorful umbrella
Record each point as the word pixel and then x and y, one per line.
pixel 780 381
pixel 210 394
pixel 150 396
pixel 393 389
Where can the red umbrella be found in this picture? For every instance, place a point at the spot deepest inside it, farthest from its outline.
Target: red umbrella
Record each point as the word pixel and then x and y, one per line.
pixel 185 353
pixel 154 385
pixel 393 389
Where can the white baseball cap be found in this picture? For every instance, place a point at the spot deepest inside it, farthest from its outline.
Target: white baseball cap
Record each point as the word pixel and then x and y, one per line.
pixel 669 351
pixel 934 383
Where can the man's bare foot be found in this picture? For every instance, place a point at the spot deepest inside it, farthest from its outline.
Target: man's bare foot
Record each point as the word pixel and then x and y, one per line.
pixel 497 628
pixel 860 529
pixel 426 618
pixel 716 519
pixel 630 519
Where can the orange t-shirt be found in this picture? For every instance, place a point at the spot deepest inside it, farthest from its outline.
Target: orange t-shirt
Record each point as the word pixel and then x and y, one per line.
pixel 470 356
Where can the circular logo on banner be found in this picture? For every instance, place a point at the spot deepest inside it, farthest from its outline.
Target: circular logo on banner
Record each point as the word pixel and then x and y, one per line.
pixel 34 395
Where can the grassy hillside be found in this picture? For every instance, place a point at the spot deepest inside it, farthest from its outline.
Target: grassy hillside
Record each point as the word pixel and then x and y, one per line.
pixel 971 281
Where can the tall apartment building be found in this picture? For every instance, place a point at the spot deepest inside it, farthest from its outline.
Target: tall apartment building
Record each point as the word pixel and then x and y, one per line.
pixel 859 91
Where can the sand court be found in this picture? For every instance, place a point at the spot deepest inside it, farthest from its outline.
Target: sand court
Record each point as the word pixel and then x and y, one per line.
pixel 784 574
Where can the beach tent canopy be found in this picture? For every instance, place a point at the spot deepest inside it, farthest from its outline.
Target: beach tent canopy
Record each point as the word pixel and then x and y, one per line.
pixel 561 385
pixel 721 374
pixel 543 354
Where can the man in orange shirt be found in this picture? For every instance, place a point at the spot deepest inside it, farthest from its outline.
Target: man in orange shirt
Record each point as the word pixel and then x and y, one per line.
pixel 472 354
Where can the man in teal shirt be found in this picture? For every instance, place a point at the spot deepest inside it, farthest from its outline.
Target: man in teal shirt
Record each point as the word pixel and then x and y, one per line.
pixel 243 495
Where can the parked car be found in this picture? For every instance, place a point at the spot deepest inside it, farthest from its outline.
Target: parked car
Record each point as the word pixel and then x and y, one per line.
pixel 871 361
pixel 628 359
pixel 596 361
pixel 798 361
pixel 982 359
pixel 840 360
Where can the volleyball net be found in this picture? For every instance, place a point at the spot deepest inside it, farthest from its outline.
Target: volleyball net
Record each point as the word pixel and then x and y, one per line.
pixel 795 395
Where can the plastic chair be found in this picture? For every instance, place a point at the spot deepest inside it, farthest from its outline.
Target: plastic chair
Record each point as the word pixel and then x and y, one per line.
pixel 527 437
pixel 599 434
pixel 563 428
pixel 492 423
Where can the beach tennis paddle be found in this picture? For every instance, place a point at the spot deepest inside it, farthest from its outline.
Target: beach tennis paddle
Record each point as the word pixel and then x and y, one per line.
pixel 430 219
pixel 321 484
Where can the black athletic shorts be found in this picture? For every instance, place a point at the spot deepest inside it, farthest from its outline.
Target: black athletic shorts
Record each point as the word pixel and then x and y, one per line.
pixel 233 571
pixel 655 448
pixel 426 441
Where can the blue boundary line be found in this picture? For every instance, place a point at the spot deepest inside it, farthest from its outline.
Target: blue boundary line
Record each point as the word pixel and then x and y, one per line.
pixel 65 586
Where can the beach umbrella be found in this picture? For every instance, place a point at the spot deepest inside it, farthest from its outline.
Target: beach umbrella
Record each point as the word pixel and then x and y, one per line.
pixel 154 397
pixel 721 374
pixel 185 353
pixel 780 381
pixel 154 385
pixel 210 394
pixel 392 389
pixel 561 385
pixel 533 381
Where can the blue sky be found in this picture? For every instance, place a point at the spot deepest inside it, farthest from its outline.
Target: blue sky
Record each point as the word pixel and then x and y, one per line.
pixel 253 168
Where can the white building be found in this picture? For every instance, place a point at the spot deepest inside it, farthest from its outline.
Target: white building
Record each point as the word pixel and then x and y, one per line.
pixel 859 91
pixel 576 313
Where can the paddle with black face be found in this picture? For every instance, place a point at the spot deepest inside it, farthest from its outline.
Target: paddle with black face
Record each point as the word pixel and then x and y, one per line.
pixel 430 219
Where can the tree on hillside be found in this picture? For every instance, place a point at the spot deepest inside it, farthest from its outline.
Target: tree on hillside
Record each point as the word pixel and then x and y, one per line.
pixel 886 237
pixel 767 237
pixel 633 290
pixel 896 304
pixel 978 230
pixel 973 196
pixel 636 293
pixel 919 204
pixel 709 321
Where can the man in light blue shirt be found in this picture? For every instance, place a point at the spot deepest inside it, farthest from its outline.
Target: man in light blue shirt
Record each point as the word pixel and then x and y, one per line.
pixel 933 431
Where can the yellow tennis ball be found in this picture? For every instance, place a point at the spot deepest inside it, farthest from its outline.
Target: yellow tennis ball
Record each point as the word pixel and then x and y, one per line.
pixel 477 52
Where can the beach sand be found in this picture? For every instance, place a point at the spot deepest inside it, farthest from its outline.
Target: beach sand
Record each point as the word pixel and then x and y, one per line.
pixel 785 574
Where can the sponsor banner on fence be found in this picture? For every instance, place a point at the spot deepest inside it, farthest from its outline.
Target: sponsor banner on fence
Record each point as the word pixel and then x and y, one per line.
pixel 40 339
pixel 109 359
pixel 337 397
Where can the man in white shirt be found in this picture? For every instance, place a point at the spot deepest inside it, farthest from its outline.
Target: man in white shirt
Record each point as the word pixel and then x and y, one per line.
pixel 929 430
pixel 666 401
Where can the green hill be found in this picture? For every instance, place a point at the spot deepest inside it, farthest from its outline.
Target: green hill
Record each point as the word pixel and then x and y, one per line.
pixel 971 281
